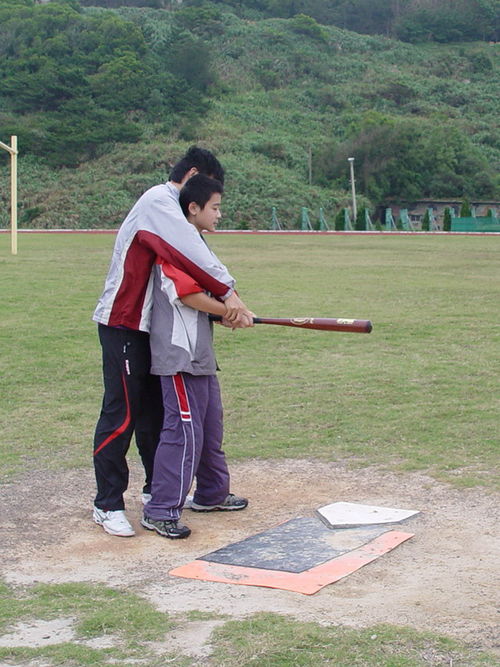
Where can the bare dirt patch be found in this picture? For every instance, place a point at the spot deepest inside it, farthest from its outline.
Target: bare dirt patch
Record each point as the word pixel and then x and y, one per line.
pixel 444 579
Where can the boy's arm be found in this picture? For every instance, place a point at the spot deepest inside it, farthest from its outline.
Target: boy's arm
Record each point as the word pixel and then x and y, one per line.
pixel 185 285
pixel 207 304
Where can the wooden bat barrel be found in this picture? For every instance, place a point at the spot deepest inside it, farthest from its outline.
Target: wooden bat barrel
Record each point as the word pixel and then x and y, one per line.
pixel 318 323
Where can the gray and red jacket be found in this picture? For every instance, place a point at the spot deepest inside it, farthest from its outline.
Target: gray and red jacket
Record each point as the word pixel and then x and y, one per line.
pixel 181 337
pixel 155 227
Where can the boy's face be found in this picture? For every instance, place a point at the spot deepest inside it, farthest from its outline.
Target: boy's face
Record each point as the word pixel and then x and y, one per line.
pixel 206 218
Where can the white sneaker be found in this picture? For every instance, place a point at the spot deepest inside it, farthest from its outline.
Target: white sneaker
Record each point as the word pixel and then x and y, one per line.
pixel 114 522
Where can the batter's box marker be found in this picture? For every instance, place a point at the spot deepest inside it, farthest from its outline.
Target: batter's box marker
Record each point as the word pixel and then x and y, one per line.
pixel 308 581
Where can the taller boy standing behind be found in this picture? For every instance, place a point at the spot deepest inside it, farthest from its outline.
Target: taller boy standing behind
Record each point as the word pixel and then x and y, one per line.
pixel 155 227
pixel 182 355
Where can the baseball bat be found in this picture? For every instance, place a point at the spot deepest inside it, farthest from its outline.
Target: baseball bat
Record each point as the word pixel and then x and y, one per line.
pixel 319 323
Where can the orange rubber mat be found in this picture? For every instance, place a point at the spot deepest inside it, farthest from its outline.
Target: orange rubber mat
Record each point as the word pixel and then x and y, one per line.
pixel 307 582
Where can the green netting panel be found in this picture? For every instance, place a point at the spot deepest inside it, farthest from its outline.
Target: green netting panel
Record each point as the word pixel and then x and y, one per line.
pixel 483 224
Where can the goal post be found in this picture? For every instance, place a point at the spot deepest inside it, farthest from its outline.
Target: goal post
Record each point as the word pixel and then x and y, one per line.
pixel 12 149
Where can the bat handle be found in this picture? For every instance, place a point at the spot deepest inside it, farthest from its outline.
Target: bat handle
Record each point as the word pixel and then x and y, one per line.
pixel 218 318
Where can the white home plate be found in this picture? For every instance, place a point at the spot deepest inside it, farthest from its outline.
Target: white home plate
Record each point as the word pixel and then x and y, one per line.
pixel 350 515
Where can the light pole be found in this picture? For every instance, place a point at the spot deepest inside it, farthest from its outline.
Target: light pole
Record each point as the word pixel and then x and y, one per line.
pixel 12 149
pixel 353 188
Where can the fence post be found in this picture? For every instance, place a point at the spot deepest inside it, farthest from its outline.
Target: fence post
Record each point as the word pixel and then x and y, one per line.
pixel 389 220
pixel 275 223
pixel 305 222
pixel 323 225
pixel 368 221
pixel 432 220
pixel 347 220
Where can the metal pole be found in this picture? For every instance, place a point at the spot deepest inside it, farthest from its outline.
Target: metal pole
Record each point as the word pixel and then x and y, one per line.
pixel 353 188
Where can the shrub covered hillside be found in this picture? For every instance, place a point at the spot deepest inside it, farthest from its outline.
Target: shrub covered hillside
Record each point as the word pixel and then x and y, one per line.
pixel 105 100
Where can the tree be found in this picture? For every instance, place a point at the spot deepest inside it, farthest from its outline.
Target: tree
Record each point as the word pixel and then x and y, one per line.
pixel 305 25
pixel 202 20
pixel 360 222
pixel 82 73
pixel 447 220
pixel 122 83
pixel 447 21
pixel 426 221
pixel 190 60
pixel 410 159
pixel 465 209
pixel 339 220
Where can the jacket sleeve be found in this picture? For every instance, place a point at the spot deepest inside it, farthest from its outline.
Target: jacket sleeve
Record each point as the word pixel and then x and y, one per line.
pixel 176 282
pixel 164 230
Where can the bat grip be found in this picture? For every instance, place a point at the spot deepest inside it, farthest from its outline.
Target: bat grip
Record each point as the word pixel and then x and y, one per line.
pixel 218 318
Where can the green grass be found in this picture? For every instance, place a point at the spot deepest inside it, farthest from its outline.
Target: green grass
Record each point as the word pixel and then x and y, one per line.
pixel 419 393
pixel 135 631
pixel 96 611
pixel 270 640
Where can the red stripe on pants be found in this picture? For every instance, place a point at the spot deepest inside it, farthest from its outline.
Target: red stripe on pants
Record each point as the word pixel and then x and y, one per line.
pixel 182 397
pixel 123 426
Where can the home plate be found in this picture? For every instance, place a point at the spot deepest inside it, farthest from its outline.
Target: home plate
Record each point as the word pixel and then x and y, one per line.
pixel 300 555
pixel 350 515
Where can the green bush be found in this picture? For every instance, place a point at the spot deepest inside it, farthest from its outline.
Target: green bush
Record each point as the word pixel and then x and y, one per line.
pixel 305 25
pixel 339 220
pixel 447 220
pixel 465 209
pixel 426 221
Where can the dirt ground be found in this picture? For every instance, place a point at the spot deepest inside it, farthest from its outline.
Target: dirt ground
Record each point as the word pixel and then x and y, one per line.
pixel 444 579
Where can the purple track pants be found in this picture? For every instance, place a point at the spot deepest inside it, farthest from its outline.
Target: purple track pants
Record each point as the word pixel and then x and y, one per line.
pixel 189 447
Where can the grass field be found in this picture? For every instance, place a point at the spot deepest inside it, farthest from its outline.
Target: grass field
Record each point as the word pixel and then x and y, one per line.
pixel 419 392
pixel 266 640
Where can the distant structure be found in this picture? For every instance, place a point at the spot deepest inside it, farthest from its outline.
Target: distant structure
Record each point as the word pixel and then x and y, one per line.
pixel 414 212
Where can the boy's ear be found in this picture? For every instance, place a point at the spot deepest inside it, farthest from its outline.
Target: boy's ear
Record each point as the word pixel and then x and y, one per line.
pixel 192 172
pixel 194 208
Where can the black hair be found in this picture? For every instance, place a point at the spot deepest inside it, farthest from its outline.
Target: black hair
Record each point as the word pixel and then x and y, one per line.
pixel 203 160
pixel 198 189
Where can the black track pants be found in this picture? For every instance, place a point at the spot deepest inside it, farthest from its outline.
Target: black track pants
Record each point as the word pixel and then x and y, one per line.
pixel 132 402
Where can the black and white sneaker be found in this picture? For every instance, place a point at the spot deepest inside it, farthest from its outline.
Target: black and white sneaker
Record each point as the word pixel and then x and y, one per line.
pixel 166 528
pixel 231 503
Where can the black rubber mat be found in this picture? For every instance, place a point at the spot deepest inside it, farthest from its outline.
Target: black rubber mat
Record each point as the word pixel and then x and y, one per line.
pixel 294 546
